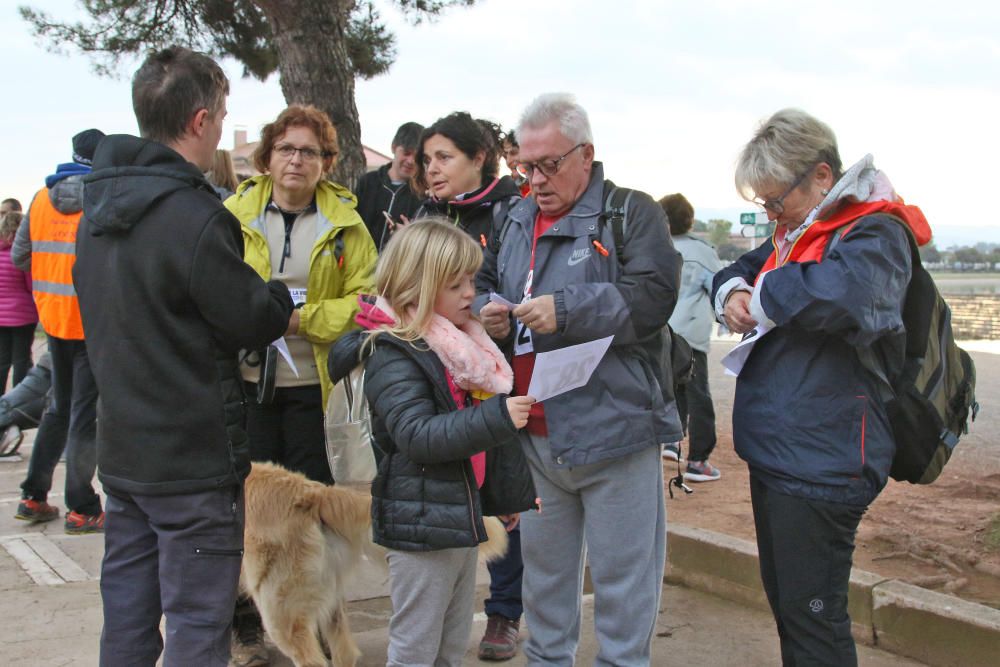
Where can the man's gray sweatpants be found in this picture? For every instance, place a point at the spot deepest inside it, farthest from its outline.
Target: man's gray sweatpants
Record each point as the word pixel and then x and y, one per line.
pixel 613 514
pixel 432 596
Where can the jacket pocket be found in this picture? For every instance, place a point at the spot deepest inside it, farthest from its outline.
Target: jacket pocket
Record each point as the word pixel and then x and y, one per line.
pixel 211 551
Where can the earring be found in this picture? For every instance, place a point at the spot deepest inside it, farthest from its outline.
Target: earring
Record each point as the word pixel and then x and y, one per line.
pixel 824 192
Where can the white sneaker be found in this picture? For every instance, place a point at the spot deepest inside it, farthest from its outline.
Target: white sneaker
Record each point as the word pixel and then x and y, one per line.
pixel 10 441
pixel 671 451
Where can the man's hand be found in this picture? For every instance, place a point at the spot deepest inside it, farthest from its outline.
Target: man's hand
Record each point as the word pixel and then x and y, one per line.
pixel 496 320
pixel 293 323
pixel 737 312
pixel 538 314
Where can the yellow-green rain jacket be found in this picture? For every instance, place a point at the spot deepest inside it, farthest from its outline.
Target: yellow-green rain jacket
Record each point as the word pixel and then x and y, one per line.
pixel 338 273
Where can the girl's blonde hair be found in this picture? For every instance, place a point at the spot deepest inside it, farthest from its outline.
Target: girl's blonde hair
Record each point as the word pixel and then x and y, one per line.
pixel 418 261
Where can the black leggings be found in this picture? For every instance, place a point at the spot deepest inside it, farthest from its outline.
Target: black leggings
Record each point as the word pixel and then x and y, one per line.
pixel 15 351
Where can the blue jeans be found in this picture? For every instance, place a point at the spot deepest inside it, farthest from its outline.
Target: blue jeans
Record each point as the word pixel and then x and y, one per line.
pixel 505 581
pixel 70 423
pixel 175 556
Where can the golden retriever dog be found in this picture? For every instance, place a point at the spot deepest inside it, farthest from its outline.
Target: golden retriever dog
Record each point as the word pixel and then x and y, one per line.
pixel 302 541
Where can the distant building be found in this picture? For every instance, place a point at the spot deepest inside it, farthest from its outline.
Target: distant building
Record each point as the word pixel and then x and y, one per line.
pixel 242 153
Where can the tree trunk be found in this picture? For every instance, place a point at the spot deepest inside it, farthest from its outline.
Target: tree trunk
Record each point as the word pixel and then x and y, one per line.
pixel 315 68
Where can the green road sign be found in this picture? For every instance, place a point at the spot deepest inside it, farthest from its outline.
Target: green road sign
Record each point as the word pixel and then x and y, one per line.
pixel 763 231
pixel 748 218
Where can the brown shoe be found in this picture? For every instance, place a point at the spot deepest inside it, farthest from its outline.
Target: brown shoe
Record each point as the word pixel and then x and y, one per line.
pixel 247 648
pixel 500 640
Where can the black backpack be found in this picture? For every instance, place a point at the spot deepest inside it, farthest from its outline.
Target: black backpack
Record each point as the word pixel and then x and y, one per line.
pixel 933 398
pixel 676 361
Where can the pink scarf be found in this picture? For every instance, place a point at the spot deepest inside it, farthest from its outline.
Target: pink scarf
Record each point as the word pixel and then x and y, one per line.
pixel 470 355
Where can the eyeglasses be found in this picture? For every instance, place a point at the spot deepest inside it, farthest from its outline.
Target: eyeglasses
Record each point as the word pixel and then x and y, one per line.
pixel 286 151
pixel 549 168
pixel 777 206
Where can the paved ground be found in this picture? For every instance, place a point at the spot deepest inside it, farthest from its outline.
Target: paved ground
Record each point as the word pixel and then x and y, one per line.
pixel 50 600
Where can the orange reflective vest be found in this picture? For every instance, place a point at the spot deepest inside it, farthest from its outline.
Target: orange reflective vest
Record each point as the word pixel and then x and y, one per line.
pixel 53 253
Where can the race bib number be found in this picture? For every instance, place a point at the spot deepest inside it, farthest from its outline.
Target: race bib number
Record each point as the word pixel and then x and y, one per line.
pixel 522 339
pixel 298 295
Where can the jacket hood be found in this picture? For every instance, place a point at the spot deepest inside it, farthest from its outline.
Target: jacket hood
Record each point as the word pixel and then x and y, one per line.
pixel 253 195
pixel 868 190
pixel 65 170
pixel 66 194
pixel 130 176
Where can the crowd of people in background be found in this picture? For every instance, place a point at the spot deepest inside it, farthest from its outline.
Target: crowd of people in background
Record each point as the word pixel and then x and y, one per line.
pixel 212 317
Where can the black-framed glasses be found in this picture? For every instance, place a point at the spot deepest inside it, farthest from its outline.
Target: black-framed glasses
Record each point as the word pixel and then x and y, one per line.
pixel 286 151
pixel 777 205
pixel 549 168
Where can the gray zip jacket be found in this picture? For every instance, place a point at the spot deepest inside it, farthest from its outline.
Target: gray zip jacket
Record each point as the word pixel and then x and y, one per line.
pixel 693 317
pixel 621 409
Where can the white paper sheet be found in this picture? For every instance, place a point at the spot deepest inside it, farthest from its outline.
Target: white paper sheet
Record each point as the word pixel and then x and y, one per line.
pixel 737 356
pixel 285 354
pixel 499 300
pixel 559 371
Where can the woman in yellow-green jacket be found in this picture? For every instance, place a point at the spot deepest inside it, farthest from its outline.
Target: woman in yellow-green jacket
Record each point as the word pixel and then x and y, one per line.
pixel 303 230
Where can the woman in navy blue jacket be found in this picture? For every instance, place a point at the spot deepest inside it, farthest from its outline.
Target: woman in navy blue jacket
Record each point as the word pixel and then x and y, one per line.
pixel 806 417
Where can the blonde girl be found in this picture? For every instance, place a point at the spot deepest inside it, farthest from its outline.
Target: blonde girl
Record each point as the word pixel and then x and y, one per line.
pixel 446 432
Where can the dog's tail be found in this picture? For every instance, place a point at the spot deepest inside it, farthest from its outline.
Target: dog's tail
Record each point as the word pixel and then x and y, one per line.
pixel 495 546
pixel 347 513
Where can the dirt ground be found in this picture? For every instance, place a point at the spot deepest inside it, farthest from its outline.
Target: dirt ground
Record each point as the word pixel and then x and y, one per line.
pixel 944 536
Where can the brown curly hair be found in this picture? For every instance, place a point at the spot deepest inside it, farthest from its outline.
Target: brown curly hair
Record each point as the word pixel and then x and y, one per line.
pixel 298 115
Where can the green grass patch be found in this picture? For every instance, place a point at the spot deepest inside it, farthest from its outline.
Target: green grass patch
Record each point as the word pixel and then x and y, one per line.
pixel 992 539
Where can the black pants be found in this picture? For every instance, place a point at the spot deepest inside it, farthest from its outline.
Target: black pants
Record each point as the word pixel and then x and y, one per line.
pixel 806 548
pixel 69 423
pixel 694 404
pixel 174 556
pixel 289 431
pixel 15 352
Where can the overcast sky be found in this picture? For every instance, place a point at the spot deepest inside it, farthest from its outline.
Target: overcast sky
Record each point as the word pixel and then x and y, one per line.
pixel 674 89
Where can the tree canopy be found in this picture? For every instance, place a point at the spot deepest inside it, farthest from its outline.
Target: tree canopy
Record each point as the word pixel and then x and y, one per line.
pixel 317 46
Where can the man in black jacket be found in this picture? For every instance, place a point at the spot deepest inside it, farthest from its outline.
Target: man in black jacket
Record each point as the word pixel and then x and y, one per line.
pixel 385 194
pixel 167 301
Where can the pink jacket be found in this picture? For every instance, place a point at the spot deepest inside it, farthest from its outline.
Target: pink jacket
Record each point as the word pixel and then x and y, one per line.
pixel 17 308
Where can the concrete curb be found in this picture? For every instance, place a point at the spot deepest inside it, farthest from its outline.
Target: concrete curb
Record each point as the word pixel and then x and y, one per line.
pixel 930 627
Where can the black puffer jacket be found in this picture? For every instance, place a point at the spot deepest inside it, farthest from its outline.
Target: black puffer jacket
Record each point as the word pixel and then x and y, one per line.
pixel 167 301
pixel 377 193
pixel 424 496
pixel 477 213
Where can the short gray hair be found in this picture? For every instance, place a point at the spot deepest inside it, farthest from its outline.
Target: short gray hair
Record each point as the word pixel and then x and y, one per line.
pixel 561 108
pixel 786 146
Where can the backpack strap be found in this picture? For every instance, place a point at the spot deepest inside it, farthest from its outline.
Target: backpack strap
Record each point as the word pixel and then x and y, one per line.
pixel 615 213
pixel 866 354
pixel 501 223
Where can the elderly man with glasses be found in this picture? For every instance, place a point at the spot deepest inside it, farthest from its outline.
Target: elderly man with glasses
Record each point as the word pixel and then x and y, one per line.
pixel 594 451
